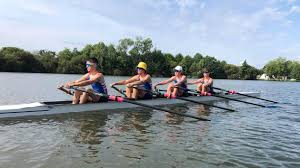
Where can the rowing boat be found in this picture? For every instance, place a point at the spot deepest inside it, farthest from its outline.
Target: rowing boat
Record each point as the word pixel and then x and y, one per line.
pixel 59 107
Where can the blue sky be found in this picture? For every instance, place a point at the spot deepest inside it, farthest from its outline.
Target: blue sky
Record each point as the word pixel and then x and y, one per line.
pixel 230 30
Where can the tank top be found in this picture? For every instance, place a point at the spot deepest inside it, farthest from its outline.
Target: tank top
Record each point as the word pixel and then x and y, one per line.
pixel 183 85
pixel 99 86
pixel 147 85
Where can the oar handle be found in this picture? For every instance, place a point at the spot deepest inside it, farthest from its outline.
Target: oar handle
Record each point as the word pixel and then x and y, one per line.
pixel 61 88
pixel 118 90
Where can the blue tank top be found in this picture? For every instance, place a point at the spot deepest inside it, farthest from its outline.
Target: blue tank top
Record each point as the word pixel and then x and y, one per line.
pixel 147 85
pixel 99 86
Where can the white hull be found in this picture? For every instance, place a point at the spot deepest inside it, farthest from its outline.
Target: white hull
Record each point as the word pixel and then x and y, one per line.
pixel 49 108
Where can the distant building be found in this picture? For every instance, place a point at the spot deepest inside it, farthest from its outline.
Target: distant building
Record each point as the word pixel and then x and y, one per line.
pixel 264 77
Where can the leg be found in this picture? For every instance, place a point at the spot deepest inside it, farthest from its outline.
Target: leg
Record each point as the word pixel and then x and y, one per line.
pixel 76 97
pixel 199 87
pixel 135 93
pixel 129 92
pixel 84 98
pixel 203 88
pixel 170 89
pixel 175 92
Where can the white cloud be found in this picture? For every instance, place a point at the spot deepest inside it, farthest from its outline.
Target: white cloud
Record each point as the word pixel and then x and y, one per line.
pixel 295 9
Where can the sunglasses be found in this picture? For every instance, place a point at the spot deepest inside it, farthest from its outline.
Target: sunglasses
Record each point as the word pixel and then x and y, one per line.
pixel 176 71
pixel 88 65
pixel 138 69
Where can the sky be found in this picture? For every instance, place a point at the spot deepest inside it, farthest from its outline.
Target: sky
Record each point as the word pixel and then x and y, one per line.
pixel 231 30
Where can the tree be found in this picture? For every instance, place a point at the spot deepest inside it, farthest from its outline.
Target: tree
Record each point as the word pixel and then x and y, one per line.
pixel 277 68
pixel 295 70
pixel 48 60
pixel 248 72
pixel 124 45
pixel 213 65
pixel 186 63
pixel 232 71
pixel 178 58
pixel 2 62
pixel 18 60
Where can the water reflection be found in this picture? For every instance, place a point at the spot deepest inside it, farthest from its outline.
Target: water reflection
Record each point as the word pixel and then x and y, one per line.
pixel 174 119
pixel 90 128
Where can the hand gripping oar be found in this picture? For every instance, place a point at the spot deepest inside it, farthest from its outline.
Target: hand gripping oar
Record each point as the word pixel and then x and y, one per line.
pixel 197 102
pixel 69 92
pixel 228 98
pixel 121 99
pixel 234 92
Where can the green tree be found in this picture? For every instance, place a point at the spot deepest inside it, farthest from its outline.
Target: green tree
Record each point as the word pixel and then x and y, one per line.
pixel 212 64
pixel 277 68
pixel 178 58
pixel 48 60
pixel 232 71
pixel 18 60
pixel 295 70
pixel 248 72
pixel 186 63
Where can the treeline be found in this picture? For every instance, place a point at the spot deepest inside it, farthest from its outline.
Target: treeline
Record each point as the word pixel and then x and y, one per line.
pixel 121 60
pixel 282 68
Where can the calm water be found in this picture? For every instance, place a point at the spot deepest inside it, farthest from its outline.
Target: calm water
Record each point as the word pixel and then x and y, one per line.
pixel 251 137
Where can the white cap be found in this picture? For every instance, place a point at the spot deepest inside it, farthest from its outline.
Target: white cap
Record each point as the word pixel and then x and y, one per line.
pixel 178 68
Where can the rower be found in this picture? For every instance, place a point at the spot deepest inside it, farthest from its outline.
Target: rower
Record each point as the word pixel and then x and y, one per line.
pixel 205 84
pixel 94 78
pixel 138 86
pixel 178 86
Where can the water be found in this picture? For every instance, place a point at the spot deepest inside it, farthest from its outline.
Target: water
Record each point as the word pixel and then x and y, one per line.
pixel 251 137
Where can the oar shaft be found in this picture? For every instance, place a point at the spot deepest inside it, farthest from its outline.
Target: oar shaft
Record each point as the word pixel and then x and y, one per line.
pixel 228 98
pixel 164 110
pixel 245 95
pixel 202 103
pixel 157 108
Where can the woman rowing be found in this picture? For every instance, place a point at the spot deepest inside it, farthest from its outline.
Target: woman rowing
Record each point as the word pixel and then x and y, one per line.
pixel 94 78
pixel 204 84
pixel 138 86
pixel 178 83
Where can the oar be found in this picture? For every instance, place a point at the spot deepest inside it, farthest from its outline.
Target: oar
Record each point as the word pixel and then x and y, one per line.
pixel 197 102
pixel 228 98
pixel 234 92
pixel 69 92
pixel 121 99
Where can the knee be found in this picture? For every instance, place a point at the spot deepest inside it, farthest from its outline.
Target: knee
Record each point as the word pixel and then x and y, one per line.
pixel 77 93
pixel 170 86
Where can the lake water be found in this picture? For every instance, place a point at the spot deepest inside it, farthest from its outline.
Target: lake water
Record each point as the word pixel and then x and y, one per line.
pixel 250 137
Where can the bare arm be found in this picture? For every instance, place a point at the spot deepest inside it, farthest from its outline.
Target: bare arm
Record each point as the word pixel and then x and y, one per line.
pixel 88 82
pixel 83 78
pixel 195 81
pixel 183 79
pixel 124 82
pixel 165 81
pixel 140 82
